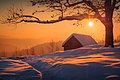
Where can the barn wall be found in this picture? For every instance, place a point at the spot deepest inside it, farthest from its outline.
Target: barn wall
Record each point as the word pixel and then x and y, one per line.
pixel 72 43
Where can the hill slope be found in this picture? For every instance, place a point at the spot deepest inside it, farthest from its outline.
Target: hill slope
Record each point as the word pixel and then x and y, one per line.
pixel 17 70
pixel 87 63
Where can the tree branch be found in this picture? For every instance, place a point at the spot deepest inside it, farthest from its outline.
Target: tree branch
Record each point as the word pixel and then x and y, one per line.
pixel 79 17
pixel 63 5
pixel 88 3
pixel 73 4
pixel 113 4
pixel 117 5
pixel 73 17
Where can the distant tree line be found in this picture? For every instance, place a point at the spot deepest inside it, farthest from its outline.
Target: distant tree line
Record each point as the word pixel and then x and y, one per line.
pixel 45 48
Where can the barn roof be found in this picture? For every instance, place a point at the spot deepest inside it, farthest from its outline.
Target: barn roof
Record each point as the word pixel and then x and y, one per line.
pixel 83 39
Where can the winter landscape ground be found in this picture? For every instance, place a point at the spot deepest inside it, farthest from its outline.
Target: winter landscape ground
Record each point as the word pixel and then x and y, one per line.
pixel 93 62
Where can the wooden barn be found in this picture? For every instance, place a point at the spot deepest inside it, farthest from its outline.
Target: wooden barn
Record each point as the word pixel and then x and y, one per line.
pixel 77 40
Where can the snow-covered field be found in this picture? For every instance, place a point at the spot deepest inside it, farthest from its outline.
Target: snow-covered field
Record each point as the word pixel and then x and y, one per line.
pixel 88 63
pixel 17 70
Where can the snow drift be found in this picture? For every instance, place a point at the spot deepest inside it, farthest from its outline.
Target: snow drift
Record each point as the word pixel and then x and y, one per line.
pixel 88 63
pixel 92 62
pixel 17 70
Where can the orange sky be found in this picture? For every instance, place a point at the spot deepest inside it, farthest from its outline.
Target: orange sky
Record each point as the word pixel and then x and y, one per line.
pixel 47 32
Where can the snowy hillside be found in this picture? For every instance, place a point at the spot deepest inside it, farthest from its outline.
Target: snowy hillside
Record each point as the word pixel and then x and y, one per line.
pixel 17 70
pixel 87 63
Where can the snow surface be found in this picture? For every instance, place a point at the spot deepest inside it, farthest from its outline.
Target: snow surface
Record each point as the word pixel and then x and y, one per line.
pixel 93 62
pixel 17 70
pixel 88 63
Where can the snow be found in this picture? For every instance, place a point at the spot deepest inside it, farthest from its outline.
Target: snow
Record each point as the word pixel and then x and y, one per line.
pixel 93 62
pixel 17 70
pixel 83 39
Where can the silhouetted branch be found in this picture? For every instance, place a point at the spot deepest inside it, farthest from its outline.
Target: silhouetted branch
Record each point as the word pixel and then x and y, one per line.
pixel 28 18
pixel 95 9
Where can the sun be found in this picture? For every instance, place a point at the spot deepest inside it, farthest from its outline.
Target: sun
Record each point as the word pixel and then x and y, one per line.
pixel 90 23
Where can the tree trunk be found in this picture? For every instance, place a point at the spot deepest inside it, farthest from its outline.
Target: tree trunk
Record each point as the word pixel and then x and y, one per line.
pixel 108 24
pixel 109 34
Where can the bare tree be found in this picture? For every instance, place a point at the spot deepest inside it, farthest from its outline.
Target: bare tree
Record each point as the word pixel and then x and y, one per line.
pixel 16 51
pixel 3 54
pixel 103 10
pixel 27 51
pixel 52 46
pixel 42 50
pixel 32 51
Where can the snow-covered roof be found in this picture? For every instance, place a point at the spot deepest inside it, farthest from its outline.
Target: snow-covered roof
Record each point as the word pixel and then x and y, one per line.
pixel 83 39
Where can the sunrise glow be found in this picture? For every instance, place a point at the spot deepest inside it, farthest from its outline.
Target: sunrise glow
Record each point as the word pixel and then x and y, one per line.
pixel 90 23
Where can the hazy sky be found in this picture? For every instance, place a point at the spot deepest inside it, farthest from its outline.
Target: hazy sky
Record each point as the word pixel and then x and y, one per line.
pixel 57 31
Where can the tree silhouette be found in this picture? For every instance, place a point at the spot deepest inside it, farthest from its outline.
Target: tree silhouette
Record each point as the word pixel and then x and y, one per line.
pixel 103 10
pixel 52 46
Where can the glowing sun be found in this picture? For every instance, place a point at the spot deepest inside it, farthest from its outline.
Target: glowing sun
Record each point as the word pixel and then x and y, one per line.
pixel 90 23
